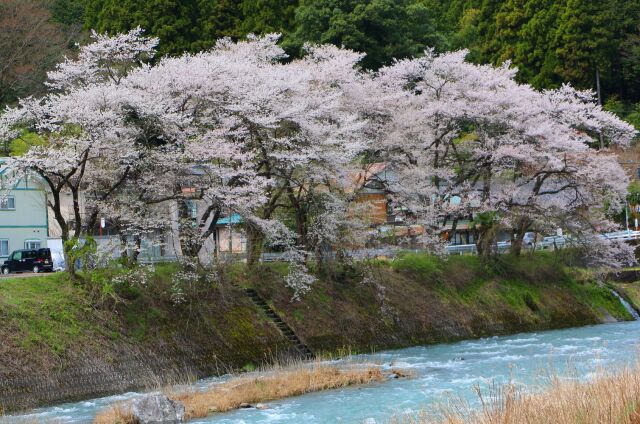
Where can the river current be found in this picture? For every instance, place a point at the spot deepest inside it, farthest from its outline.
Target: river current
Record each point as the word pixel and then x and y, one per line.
pixel 443 373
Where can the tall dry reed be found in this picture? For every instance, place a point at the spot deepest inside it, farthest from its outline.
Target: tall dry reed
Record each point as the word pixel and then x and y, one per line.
pixel 610 398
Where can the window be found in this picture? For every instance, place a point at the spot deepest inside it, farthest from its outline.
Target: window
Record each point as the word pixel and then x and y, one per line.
pixel 17 255
pixel 192 209
pixel 32 244
pixel 4 247
pixel 7 203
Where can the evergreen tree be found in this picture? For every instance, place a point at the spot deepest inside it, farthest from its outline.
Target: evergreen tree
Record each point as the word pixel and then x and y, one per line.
pixel 550 41
pixel 584 42
pixel 525 35
pixel 214 20
pixel 68 12
pixel 383 29
pixel 266 16
pixel 181 25
pixel 591 36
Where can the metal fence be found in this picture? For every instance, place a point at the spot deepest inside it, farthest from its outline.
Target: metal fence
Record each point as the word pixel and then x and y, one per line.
pixel 547 243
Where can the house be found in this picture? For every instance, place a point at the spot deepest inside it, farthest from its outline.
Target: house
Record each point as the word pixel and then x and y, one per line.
pixel 23 215
pixel 629 159
pixel 228 236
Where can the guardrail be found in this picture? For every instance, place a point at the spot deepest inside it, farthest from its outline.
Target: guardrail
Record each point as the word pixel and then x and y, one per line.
pixel 550 242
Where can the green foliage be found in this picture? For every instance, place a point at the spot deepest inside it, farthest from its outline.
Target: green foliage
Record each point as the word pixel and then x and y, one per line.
pixel 550 41
pixel 68 12
pixel 628 112
pixel 485 220
pixel 170 20
pixel 634 193
pixel 265 16
pixel 190 25
pixel 418 263
pixel 27 139
pixel 249 367
pixel 383 29
pixel 80 250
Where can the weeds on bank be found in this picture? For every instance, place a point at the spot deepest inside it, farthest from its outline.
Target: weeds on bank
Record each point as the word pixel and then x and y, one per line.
pixel 116 414
pixel 610 398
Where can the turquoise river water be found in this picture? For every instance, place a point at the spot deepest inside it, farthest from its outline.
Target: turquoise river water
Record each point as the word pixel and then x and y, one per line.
pixel 442 373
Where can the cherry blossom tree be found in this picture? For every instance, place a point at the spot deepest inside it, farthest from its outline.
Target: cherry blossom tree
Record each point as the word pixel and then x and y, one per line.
pixel 240 130
pixel 89 149
pixel 233 128
pixel 468 141
pixel 279 130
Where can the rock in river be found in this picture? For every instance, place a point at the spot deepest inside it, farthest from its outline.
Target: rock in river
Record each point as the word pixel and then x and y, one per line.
pixel 157 409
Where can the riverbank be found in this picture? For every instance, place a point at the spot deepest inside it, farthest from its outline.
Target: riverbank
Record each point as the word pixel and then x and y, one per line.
pixel 440 374
pixel 420 299
pixel 125 330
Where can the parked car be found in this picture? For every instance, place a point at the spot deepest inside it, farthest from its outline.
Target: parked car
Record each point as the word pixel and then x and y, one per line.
pixel 27 260
pixel 529 239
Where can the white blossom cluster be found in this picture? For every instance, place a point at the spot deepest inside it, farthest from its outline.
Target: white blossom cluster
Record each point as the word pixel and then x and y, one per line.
pixel 243 131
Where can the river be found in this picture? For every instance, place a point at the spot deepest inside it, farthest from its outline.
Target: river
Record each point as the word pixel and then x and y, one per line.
pixel 441 371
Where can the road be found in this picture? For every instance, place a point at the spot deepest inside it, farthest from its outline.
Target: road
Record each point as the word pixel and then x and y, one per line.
pixel 23 275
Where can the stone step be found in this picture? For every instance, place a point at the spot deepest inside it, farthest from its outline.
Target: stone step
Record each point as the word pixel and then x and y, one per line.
pixel 280 323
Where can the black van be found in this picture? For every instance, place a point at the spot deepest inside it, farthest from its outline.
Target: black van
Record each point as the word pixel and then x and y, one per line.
pixel 28 260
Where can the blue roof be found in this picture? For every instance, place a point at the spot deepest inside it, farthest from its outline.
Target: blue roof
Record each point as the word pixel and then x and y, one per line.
pixel 235 219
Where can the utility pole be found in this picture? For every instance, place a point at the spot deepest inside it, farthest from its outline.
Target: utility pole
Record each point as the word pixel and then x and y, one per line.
pixel 230 235
pixel 626 214
pixel 600 103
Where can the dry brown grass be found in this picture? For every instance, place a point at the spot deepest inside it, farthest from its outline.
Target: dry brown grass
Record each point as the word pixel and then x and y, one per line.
pixel 608 399
pixel 277 385
pixel 264 386
pixel 120 413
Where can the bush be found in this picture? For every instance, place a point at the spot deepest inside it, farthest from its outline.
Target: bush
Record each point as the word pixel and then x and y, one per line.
pixel 419 263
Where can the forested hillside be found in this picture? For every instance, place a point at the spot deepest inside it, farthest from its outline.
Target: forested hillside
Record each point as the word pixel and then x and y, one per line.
pixel 550 41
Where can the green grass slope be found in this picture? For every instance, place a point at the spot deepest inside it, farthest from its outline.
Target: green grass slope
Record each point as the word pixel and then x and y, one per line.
pixel 422 299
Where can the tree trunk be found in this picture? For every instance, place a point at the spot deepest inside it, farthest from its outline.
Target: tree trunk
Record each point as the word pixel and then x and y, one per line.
pixel 69 261
pixel 516 246
pixel 136 252
pixel 485 242
pixel 255 241
pixel 301 227
pixel 517 237
pixel 124 255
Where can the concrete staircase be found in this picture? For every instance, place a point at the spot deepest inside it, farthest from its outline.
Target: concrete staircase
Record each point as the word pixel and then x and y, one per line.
pixel 282 326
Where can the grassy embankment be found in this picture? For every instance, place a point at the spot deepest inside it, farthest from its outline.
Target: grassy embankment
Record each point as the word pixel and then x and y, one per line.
pixel 48 319
pixel 610 398
pixel 420 299
pixel 51 325
pixel 113 335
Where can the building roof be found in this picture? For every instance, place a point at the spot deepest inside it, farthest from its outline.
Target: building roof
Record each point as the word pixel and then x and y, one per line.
pixel 368 178
pixel 234 219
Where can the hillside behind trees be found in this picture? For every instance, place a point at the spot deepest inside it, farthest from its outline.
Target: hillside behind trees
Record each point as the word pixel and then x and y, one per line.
pixel 550 41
